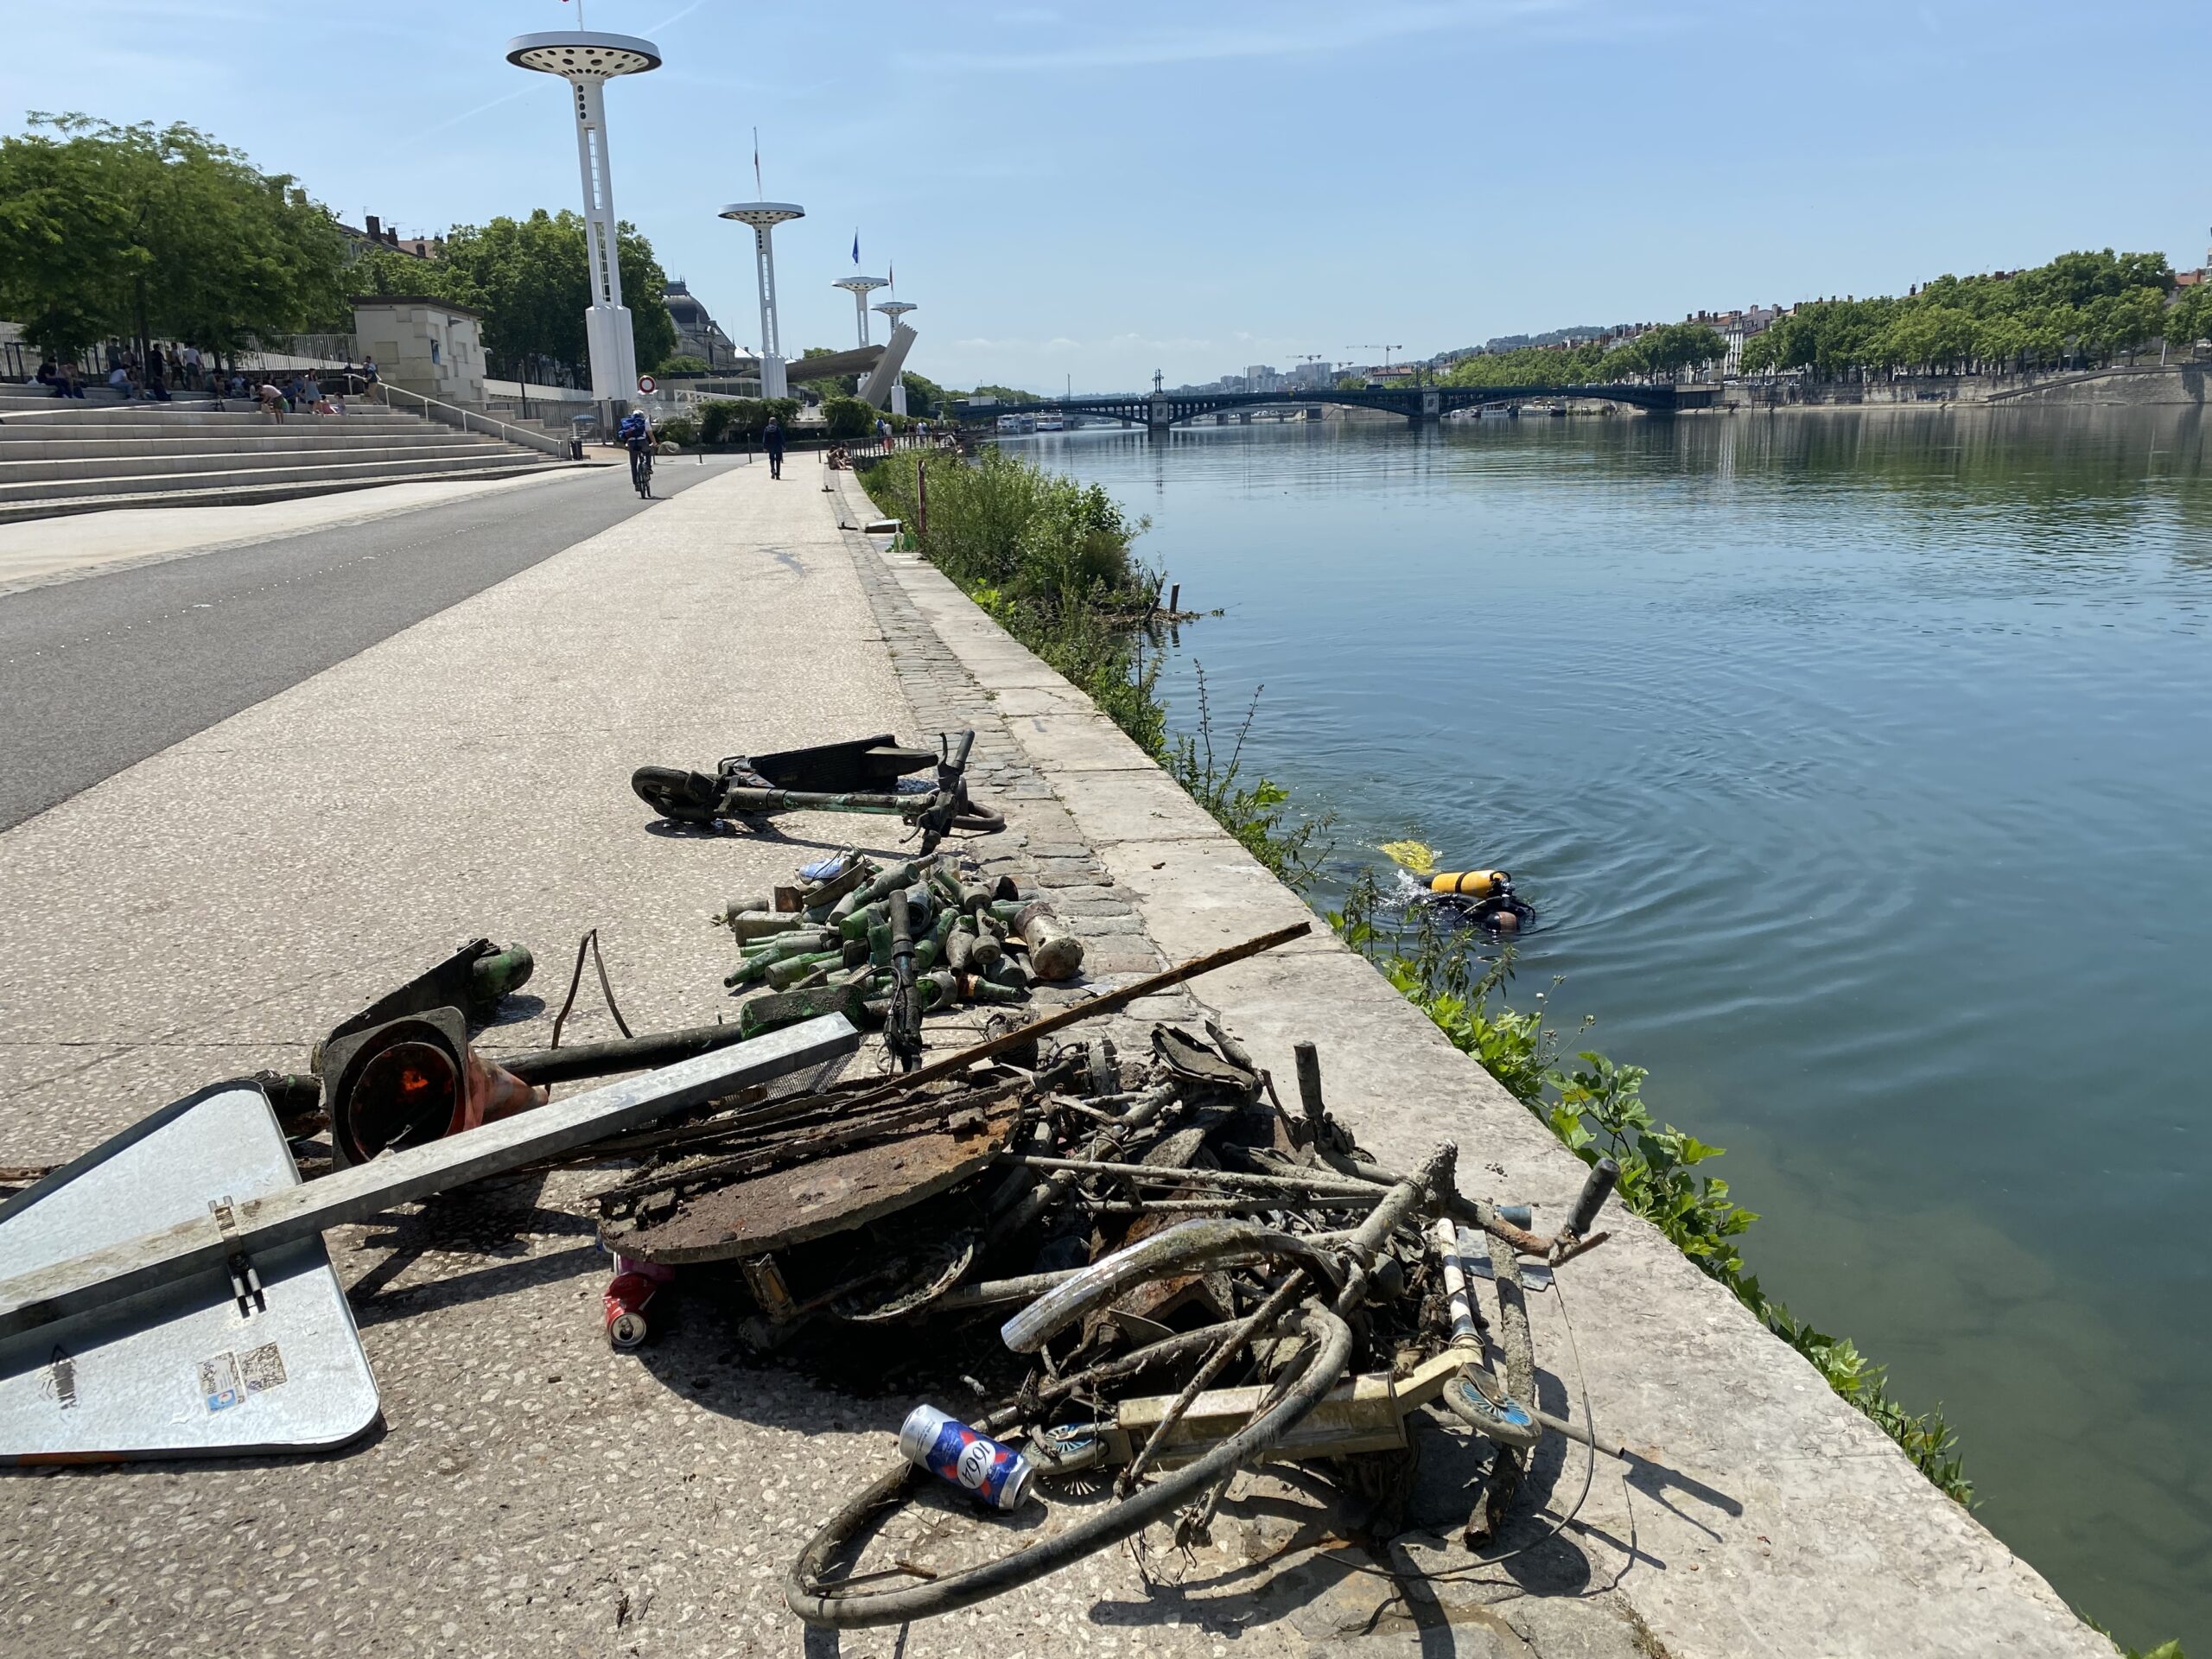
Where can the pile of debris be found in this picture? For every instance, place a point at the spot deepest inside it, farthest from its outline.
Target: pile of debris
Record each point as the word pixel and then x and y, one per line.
pixel 1179 1274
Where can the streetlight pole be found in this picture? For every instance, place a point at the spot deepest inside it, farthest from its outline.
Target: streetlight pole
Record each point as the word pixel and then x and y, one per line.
pixel 587 62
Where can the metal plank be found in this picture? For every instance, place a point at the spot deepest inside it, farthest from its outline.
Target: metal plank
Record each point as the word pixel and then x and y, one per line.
pixel 209 1239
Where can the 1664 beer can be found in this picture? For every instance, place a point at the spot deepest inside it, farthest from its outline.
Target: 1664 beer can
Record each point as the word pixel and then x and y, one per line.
pixel 985 1469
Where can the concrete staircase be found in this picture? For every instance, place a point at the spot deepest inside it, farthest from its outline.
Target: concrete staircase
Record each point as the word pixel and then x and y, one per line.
pixel 61 455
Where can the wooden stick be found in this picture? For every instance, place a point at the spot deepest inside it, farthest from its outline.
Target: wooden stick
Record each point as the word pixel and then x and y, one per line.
pixel 1106 1002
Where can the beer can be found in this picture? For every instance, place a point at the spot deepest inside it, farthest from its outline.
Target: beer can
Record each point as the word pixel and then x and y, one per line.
pixel 625 1299
pixel 994 1473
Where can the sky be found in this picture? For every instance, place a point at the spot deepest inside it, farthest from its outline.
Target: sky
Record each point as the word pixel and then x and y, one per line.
pixel 1078 194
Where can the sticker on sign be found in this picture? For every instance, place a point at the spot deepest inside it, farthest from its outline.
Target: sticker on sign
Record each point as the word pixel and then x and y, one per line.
pixel 645 385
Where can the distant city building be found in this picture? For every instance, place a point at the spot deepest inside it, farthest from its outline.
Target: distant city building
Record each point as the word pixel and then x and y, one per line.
pixel 697 334
pixel 1737 327
pixel 375 234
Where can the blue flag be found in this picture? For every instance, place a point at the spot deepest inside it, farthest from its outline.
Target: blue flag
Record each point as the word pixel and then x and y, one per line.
pixel 857 249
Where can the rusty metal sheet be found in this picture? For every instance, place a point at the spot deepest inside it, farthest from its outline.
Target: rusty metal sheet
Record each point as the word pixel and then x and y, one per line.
pixel 822 1196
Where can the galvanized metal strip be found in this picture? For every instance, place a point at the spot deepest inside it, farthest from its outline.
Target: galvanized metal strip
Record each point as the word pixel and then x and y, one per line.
pixel 36 1297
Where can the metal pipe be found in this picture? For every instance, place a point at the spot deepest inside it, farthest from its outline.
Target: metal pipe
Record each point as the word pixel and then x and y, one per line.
pixel 623 1054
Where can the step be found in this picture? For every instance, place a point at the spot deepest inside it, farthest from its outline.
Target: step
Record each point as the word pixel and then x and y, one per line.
pixel 36 444
pixel 153 419
pixel 248 494
pixel 134 463
pixel 429 466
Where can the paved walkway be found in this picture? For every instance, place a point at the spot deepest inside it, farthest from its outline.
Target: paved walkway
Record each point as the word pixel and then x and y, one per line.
pixel 216 906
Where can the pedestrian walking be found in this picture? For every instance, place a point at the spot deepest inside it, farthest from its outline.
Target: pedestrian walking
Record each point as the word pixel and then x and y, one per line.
pixel 369 369
pixel 772 440
pixel 193 364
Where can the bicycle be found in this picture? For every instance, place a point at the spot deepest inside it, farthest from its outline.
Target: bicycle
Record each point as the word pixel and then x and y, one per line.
pixel 1321 1284
pixel 641 469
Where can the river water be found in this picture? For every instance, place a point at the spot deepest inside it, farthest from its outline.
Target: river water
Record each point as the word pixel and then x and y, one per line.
pixel 1861 768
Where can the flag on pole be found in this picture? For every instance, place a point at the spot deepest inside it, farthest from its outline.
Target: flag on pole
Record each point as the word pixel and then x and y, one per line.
pixel 857 249
pixel 757 190
pixel 891 273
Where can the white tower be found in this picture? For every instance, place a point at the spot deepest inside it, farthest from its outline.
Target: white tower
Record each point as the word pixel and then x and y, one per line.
pixel 892 311
pixel 587 62
pixel 764 217
pixel 861 288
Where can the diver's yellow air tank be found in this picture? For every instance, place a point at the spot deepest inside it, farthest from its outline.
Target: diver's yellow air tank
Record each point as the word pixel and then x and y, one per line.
pixel 1471 884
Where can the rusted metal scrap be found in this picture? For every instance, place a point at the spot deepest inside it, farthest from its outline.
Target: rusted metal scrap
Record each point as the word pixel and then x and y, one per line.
pixel 1343 1311
pixel 1195 1279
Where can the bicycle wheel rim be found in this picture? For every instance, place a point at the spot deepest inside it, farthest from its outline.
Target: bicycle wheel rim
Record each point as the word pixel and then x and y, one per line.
pixel 803 1591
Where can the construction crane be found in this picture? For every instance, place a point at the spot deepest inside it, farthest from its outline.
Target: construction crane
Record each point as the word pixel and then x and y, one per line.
pixel 1385 350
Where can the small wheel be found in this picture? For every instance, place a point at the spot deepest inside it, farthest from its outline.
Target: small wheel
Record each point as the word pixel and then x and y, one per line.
pixel 686 797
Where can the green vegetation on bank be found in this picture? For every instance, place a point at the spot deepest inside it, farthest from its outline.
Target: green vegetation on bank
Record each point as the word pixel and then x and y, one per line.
pixel 2081 310
pixel 1049 559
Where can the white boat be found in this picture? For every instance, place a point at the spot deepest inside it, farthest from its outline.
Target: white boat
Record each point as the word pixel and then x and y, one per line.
pixel 1051 423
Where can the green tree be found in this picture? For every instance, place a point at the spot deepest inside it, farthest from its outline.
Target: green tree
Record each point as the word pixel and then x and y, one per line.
pixel 2190 320
pixel 847 417
pixel 156 231
pixel 532 281
pixel 923 395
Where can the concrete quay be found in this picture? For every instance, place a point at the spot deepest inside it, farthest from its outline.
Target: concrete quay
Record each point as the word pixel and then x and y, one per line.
pixel 532 1493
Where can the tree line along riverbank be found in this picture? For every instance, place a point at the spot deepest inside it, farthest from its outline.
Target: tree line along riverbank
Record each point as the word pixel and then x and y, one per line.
pixel 1051 560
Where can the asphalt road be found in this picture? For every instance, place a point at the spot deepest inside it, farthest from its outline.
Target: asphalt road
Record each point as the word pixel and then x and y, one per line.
pixel 98 673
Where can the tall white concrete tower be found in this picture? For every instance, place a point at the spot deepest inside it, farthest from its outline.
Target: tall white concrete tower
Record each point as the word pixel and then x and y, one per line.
pixel 587 62
pixel 892 311
pixel 764 217
pixel 859 287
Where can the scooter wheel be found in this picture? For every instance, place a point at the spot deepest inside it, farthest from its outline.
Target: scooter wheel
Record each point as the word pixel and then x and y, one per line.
pixel 686 797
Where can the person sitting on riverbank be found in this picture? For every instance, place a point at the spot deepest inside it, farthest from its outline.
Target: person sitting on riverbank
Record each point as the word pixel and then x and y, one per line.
pixel 57 379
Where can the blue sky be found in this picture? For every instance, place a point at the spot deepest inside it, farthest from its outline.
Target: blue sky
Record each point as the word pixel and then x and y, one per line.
pixel 1097 190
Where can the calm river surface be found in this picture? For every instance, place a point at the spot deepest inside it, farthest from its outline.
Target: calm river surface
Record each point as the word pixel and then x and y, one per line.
pixel 1861 768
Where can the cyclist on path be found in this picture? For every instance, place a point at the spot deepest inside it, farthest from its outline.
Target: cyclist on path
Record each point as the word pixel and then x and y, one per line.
pixel 636 434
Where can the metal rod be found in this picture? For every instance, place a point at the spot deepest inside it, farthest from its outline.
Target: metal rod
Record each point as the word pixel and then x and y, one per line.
pixel 1106 1002
pixel 295 1212
pixel 1230 1179
pixel 625 1054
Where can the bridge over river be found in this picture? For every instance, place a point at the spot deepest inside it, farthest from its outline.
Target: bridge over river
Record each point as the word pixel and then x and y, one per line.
pixel 1161 410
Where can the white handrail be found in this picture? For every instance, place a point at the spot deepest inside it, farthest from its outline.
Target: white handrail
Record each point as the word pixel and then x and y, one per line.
pixel 542 441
